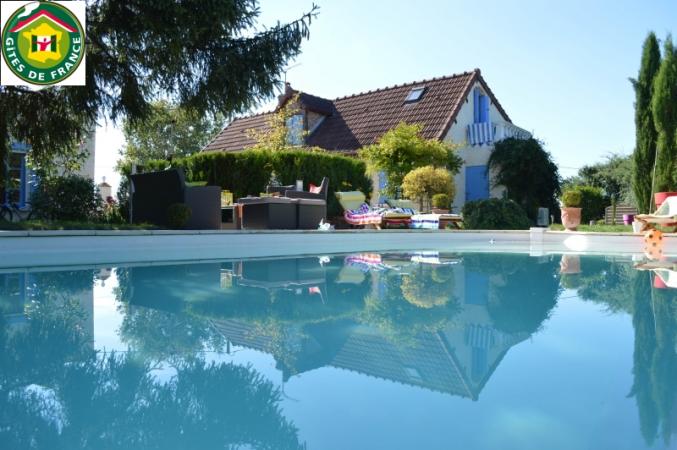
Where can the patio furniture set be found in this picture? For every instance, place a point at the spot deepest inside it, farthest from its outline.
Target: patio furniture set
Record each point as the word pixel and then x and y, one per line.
pixel 280 208
pixel 284 208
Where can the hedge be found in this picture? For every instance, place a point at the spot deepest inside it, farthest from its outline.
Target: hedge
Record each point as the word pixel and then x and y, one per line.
pixel 593 203
pixel 248 172
pixel 494 214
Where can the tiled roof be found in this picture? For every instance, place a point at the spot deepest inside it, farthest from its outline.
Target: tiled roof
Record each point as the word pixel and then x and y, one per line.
pixel 360 119
pixel 236 136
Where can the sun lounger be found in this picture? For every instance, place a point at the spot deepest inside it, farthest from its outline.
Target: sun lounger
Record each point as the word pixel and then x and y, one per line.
pixel 665 270
pixel 356 211
pixel 666 215
pixel 425 221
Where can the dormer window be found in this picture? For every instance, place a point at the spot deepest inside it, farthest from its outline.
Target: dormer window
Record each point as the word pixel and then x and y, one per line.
pixel 295 130
pixel 415 94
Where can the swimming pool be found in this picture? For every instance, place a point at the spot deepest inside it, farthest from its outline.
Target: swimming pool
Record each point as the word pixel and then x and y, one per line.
pixel 394 350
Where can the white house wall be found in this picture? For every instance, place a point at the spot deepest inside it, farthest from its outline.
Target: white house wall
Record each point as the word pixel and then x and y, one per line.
pixel 471 155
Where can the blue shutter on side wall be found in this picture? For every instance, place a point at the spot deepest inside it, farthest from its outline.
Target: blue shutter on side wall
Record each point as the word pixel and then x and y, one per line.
pixel 23 196
pixel 476 105
pixel 484 109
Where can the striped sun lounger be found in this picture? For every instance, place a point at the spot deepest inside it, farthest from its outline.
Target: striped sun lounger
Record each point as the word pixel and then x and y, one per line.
pixel 364 215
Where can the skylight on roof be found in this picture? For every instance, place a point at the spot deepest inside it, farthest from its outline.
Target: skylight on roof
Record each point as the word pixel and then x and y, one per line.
pixel 415 94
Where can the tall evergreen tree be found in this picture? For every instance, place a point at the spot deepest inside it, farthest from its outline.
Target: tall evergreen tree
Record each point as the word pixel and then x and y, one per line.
pixel 645 130
pixel 664 107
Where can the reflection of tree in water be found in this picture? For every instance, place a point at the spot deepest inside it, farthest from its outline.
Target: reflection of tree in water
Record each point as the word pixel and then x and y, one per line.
pixel 620 288
pixel 655 365
pixel 421 300
pixel 162 335
pixel 57 393
pixel 522 290
pixel 427 286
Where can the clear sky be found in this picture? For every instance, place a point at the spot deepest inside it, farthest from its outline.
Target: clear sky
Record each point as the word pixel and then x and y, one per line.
pixel 560 68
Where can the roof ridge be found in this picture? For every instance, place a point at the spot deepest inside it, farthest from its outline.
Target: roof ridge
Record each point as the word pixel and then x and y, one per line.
pixel 251 116
pixel 411 83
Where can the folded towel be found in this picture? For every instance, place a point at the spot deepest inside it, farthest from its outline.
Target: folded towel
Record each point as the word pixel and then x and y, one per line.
pixel 425 221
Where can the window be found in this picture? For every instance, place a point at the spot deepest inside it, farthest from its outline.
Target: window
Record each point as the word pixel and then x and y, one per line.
pixel 415 94
pixel 15 179
pixel 481 106
pixel 295 129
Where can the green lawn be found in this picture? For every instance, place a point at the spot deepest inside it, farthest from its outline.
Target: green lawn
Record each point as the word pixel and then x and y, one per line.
pixel 597 228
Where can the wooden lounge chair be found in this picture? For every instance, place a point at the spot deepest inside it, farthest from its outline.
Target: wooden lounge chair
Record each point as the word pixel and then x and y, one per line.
pixel 665 216
pixel 430 221
pixel 356 212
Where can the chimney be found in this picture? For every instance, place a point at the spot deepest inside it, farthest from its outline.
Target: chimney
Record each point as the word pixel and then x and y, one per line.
pixel 286 95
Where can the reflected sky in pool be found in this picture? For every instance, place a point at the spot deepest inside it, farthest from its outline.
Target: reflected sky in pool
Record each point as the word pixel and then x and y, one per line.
pixel 359 351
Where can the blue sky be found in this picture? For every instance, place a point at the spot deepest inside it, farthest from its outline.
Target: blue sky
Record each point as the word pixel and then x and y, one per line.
pixel 559 68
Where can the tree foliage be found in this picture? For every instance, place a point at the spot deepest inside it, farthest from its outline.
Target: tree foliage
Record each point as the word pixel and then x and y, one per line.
pixel 645 130
pixel 70 197
pixel 664 107
pixel 205 56
pixel 275 135
pixel 424 182
pixel 403 149
pixel 528 173
pixel 168 131
pixel 613 176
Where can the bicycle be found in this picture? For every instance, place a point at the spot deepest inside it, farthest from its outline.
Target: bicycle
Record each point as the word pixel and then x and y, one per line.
pixel 8 211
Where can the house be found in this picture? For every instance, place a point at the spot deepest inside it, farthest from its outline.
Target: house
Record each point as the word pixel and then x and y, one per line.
pixel 21 180
pixel 459 108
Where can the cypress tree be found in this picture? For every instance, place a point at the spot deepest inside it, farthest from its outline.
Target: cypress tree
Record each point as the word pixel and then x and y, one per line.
pixel 645 130
pixel 664 107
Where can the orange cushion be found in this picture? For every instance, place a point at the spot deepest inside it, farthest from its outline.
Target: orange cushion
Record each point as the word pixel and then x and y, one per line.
pixel 314 189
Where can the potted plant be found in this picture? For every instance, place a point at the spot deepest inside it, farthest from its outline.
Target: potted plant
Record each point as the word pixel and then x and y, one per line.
pixel 659 197
pixel 441 203
pixel 571 211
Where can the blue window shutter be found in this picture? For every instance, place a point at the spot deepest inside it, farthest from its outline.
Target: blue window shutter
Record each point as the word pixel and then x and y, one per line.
pixel 484 109
pixel 476 105
pixel 24 183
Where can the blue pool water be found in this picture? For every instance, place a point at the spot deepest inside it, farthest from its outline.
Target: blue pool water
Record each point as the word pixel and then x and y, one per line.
pixel 361 351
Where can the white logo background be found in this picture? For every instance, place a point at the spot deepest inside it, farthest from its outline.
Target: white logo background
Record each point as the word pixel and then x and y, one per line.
pixel 7 8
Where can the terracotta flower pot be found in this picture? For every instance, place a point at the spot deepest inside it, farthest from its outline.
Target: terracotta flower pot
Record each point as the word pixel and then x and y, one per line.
pixel 659 197
pixel 571 218
pixel 570 264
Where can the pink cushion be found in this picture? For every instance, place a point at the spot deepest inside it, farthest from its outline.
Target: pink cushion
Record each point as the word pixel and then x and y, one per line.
pixel 314 189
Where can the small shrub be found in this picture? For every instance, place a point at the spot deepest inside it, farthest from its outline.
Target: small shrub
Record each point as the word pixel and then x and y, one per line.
pixel 111 212
pixel 571 198
pixel 67 198
pixel 494 214
pixel 441 201
pixel 592 203
pixel 422 183
pixel 178 215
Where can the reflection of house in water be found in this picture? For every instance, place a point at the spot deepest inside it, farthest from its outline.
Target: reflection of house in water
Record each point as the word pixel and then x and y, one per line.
pixel 458 360
pixel 354 313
